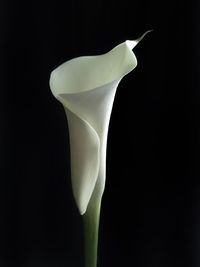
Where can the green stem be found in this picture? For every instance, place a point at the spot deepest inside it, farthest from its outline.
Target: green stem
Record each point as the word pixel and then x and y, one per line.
pixel 91 229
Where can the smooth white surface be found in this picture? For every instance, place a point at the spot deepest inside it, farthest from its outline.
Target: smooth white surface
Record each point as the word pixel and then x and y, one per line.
pixel 86 87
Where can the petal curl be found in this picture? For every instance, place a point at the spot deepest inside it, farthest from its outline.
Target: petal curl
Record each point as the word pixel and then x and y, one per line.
pixel 85 158
pixel 88 116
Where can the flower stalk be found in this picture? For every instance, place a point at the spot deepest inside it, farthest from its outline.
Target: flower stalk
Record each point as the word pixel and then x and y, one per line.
pixel 91 229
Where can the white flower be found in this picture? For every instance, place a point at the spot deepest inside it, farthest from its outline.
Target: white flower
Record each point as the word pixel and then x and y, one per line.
pixel 86 87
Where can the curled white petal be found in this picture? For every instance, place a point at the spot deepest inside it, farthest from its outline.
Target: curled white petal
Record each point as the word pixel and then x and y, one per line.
pixel 86 87
pixel 83 165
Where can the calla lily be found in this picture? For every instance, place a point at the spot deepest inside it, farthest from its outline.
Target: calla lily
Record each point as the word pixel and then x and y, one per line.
pixel 86 87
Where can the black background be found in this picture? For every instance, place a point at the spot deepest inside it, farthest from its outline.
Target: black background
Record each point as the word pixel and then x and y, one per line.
pixel 151 206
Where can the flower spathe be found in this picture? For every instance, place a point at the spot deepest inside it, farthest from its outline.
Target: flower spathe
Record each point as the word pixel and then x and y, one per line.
pixel 86 87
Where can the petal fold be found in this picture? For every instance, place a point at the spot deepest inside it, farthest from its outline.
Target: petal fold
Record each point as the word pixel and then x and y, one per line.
pixel 88 115
pixel 85 158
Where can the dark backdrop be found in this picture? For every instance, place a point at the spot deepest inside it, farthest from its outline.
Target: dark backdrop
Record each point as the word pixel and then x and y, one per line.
pixel 151 206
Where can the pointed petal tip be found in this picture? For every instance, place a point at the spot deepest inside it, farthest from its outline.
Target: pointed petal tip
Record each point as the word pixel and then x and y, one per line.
pixel 132 43
pixel 144 34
